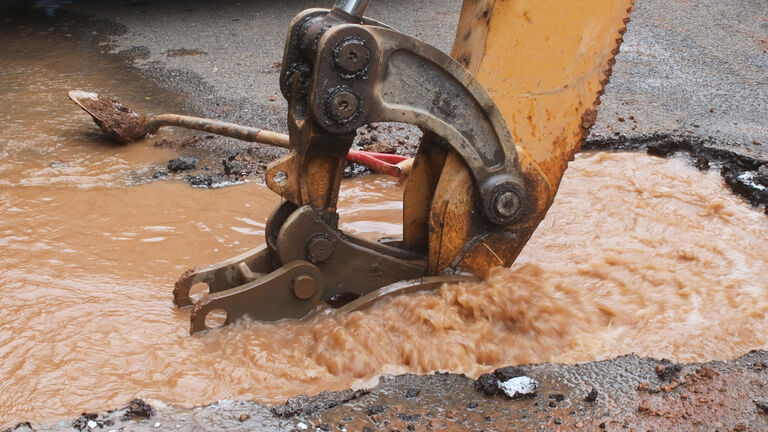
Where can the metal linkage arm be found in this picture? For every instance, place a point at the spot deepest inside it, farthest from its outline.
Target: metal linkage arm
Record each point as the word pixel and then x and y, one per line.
pixel 365 73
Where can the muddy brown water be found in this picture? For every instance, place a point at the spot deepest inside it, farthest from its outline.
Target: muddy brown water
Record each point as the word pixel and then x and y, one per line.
pixel 637 254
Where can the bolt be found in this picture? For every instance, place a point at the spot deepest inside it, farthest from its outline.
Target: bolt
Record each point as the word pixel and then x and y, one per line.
pixel 319 248
pixel 304 287
pixel 351 55
pixel 507 204
pixel 343 105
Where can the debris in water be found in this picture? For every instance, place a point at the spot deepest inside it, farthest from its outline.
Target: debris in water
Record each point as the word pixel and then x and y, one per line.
pixel 137 408
pixel 520 386
pixel 182 163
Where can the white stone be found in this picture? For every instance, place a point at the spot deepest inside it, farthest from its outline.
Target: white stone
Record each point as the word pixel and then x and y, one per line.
pixel 302 426
pixel 157 425
pixel 92 424
pixel 519 386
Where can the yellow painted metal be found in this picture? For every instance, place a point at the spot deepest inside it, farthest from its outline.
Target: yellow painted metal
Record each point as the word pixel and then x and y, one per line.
pixel 544 63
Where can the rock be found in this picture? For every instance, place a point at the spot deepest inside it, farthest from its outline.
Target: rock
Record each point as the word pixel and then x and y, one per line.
pixel 408 417
pixel 518 387
pixel 702 164
pixel 201 180
pixel 183 163
pixel 412 393
pixel 762 175
pixel 762 406
pixel 558 397
pixel 509 372
pixel 591 396
pixel 84 421
pixel 668 373
pixel 375 409
pixel 487 383
pixel 138 408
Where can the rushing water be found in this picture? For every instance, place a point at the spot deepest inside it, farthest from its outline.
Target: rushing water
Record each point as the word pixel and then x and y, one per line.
pixel 637 254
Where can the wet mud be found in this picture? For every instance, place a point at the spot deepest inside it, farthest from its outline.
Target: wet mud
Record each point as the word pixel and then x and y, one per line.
pixel 624 393
pixel 115 119
pixel 104 330
pixel 743 174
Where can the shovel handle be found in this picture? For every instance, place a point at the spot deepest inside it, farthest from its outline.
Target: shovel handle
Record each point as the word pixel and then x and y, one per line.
pixel 390 164
pixel 217 127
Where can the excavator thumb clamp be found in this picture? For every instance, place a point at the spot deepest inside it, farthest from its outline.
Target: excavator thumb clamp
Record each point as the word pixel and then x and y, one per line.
pixel 501 118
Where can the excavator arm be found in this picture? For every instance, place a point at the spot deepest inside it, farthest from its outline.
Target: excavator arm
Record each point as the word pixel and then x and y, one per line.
pixel 502 117
pixel 545 64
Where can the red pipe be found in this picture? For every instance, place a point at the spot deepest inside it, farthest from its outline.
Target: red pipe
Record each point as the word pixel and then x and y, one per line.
pixel 378 162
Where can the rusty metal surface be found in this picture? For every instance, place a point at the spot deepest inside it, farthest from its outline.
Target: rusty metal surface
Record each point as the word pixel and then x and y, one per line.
pixel 304 262
pixel 339 75
pixel 290 291
pixel 622 394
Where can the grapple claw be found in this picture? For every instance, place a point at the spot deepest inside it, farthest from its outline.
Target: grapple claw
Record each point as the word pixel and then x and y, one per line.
pixel 223 275
pixel 292 291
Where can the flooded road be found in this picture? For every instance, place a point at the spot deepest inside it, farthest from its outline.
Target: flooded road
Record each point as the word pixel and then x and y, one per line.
pixel 638 254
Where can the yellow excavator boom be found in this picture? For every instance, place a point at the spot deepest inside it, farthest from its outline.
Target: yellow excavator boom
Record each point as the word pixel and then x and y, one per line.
pixel 545 64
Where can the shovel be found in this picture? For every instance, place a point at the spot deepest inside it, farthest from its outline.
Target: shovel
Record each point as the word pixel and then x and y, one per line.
pixel 125 125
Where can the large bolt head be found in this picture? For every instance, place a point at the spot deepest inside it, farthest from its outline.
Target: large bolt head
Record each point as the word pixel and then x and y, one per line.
pixel 343 105
pixel 507 204
pixel 304 287
pixel 503 204
pixel 351 56
pixel 319 249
